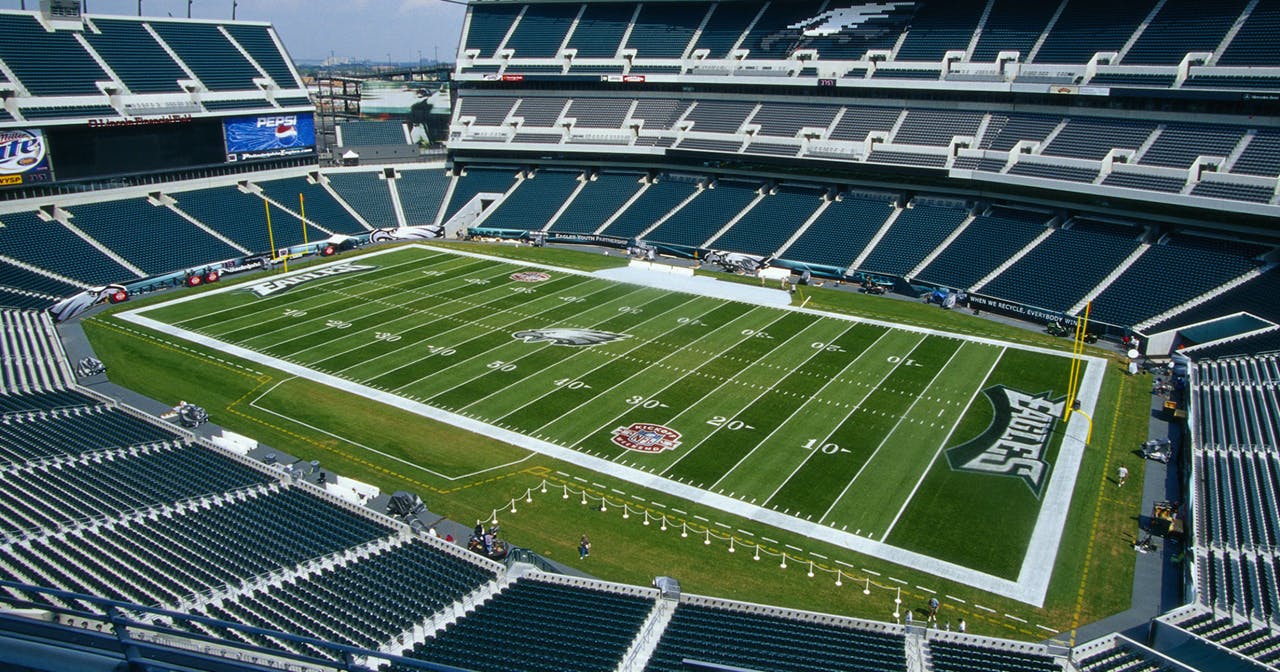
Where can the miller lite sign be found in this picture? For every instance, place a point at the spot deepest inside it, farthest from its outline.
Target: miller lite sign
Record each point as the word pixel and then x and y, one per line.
pixel 24 157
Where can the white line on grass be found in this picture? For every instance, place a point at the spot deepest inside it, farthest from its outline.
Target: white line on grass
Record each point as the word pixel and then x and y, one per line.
pixel 305 293
pixel 487 331
pixel 1030 586
pixel 852 409
pixel 344 439
pixel 848 486
pixel 803 406
pixel 610 357
pixel 943 444
pixel 758 397
pixel 449 318
pixel 607 316
pixel 354 302
pixel 298 299
pixel 615 385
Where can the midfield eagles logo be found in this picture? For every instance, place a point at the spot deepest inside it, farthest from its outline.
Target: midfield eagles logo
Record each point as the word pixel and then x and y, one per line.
pixel 568 336
pixel 1014 443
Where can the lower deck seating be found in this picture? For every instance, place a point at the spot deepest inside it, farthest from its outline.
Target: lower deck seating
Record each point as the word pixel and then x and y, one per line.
pixel 477 181
pixel 771 222
pixel 153 238
pixel 599 200
pixel 702 217
pixel 841 232
pixel 366 602
pixel 50 245
pixel 1077 259
pixel 532 204
pixel 656 201
pixel 243 218
pixel 774 642
pixel 1164 277
pixel 959 657
pixel 988 241
pixel 319 204
pixel 114 482
pixel 914 234
pixel 367 192
pixel 534 625
pixel 421 194
pixel 160 559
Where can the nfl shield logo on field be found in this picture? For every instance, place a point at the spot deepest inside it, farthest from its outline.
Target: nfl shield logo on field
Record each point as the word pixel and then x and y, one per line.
pixel 646 437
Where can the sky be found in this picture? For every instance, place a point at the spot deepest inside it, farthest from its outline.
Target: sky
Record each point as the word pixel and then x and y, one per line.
pixel 312 29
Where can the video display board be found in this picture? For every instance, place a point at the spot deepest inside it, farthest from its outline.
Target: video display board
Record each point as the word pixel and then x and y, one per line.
pixel 269 136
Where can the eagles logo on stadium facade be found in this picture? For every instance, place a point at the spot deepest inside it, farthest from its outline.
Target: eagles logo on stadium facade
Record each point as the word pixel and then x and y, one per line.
pixel 568 336
pixel 531 276
pixel 646 437
pixel 1015 442
pixel 424 232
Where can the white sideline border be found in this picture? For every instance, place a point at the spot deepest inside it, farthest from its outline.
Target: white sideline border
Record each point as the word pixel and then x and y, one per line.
pixel 1034 576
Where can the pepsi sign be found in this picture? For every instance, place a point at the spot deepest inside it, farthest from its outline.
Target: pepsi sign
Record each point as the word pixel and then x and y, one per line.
pixel 24 158
pixel 269 137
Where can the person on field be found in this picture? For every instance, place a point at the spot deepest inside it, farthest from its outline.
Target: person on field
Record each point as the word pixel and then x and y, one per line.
pixel 584 547
pixel 1122 476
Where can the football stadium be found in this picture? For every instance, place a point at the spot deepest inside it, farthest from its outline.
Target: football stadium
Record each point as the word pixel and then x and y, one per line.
pixel 714 335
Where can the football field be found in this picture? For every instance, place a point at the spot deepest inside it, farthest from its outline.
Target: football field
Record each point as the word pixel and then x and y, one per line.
pixel 945 452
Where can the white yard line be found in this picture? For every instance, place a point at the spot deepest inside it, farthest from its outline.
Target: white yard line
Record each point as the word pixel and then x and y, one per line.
pixel 691 450
pixel 344 439
pixel 959 416
pixel 607 316
pixel 610 357
pixel 802 406
pixel 885 440
pixel 255 280
pixel 504 326
pixel 852 409
pixel 437 318
pixel 1030 587
pixel 351 279
pixel 350 302
pixel 672 353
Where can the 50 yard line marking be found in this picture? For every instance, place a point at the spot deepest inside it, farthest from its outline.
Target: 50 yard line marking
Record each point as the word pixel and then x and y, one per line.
pixel 673 353
pixel 586 351
pixel 487 352
pixel 607 315
pixel 450 317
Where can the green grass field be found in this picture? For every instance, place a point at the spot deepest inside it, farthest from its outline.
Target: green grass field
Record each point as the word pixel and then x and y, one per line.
pixel 834 422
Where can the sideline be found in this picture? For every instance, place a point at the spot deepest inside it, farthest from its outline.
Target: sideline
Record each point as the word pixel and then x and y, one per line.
pixel 1032 583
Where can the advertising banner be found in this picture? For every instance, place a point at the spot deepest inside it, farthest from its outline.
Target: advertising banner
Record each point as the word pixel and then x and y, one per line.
pixel 269 137
pixel 24 158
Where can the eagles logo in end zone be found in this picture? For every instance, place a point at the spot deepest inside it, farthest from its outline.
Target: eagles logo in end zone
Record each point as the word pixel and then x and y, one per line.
pixel 531 276
pixel 568 336
pixel 1015 442
pixel 645 437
